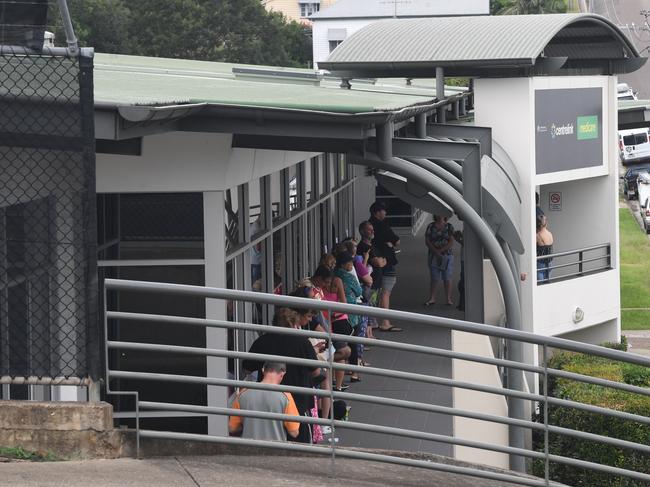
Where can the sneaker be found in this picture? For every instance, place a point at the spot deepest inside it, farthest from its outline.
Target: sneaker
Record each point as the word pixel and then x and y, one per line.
pixel 326 430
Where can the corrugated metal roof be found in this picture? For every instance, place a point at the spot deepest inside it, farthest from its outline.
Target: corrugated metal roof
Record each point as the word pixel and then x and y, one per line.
pixel 132 80
pixel 370 9
pixel 502 41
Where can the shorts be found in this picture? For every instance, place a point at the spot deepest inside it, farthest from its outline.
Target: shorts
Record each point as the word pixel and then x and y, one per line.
pixel 388 283
pixel 438 274
pixel 341 327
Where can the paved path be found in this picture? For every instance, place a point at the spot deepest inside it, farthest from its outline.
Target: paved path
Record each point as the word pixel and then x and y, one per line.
pixel 225 470
pixel 409 294
pixel 638 341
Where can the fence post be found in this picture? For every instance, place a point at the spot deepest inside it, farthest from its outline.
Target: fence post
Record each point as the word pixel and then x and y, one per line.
pixel 332 380
pixel 546 462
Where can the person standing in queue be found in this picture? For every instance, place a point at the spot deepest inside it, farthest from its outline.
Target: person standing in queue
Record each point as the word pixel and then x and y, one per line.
pixel 387 243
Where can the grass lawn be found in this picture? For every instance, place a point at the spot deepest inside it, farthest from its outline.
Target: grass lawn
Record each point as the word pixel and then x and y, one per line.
pixel 635 273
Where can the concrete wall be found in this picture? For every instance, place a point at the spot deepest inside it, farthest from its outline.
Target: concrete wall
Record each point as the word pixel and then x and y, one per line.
pixel 589 214
pixel 186 161
pixel 464 399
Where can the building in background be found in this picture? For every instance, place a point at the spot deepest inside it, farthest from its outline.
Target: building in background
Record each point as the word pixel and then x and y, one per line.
pixel 333 24
pixel 298 10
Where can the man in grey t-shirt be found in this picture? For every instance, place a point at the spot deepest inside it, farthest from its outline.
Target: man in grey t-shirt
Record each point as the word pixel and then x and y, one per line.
pixel 265 401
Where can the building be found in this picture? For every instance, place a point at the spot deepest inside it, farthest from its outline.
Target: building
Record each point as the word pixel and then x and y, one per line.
pixel 298 10
pixel 240 177
pixel 334 24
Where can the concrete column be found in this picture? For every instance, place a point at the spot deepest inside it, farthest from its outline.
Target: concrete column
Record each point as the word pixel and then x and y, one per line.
pixel 215 276
pixel 474 306
pixel 440 94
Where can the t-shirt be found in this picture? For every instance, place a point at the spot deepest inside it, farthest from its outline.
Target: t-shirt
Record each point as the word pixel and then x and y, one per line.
pixel 267 402
pixel 440 238
pixel 361 269
pixel 296 375
pixel 383 235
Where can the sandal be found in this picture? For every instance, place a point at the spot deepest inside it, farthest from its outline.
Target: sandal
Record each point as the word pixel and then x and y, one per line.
pixel 391 328
pixel 355 378
pixel 429 303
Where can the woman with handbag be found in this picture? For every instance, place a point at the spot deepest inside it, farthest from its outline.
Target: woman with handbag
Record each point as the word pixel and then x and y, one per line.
pixel 439 239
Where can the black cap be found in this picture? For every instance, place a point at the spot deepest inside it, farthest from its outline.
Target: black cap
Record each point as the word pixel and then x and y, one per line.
pixel 377 206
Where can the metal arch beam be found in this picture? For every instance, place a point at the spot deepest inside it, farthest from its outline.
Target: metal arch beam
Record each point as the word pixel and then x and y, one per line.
pixel 450 166
pixel 501 266
pixel 490 204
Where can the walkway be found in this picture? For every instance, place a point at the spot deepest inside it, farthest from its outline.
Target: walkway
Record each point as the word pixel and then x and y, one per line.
pixel 232 471
pixel 409 294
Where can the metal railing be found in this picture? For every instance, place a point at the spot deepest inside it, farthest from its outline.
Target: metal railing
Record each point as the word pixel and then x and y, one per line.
pixel 334 450
pixel 561 266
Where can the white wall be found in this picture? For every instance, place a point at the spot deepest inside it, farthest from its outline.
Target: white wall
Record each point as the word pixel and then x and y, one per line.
pixel 321 48
pixel 589 214
pixel 187 161
pixel 465 399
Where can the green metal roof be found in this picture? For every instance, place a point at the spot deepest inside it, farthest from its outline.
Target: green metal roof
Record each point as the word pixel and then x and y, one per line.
pixel 141 81
pixel 485 45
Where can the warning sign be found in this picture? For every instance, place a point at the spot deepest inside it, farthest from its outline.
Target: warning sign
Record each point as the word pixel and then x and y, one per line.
pixel 555 201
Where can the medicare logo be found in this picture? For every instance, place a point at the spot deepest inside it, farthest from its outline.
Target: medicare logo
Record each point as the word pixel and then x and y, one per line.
pixel 560 130
pixel 587 127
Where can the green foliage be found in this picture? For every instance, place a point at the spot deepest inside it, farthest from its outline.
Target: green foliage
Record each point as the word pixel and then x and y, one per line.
pixel 20 453
pixel 457 81
pixel 237 31
pixel 622 345
pixel 521 7
pixel 596 423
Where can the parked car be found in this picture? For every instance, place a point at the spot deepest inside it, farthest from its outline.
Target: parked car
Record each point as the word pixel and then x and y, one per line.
pixel 633 145
pixel 643 190
pixel 630 179
pixel 624 92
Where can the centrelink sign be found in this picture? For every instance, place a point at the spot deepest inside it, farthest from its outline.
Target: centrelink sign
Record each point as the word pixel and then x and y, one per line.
pixel 568 129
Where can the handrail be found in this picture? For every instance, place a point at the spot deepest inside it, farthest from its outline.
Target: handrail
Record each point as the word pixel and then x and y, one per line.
pixel 576 251
pixel 306 303
pixel 338 451
pixel 550 265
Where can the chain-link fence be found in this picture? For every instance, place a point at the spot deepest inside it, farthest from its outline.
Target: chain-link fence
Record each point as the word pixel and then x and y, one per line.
pixel 48 272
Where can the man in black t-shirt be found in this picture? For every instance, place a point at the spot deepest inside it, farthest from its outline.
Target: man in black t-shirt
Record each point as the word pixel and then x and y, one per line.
pixel 387 243
pixel 296 375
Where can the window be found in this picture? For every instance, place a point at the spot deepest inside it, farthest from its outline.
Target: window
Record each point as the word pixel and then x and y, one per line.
pixel 334 45
pixel 308 8
pixel 635 139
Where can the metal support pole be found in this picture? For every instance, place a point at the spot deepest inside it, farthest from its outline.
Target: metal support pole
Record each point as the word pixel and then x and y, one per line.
pixel 384 133
pixel 546 452
pixel 440 94
pixel 421 126
pixel 71 39
pixel 472 248
pixel 456 109
pixel 506 280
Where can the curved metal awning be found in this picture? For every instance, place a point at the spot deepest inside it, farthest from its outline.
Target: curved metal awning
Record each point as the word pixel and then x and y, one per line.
pixel 508 45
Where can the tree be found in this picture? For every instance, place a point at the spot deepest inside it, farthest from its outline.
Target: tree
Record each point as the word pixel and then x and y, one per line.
pixel 238 31
pixel 102 24
pixel 521 7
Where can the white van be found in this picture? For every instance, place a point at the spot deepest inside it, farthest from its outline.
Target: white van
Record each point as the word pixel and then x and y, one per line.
pixel 624 92
pixel 633 145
